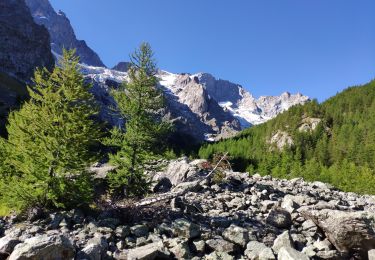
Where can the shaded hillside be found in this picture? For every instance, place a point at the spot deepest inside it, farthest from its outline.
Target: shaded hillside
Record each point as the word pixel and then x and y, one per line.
pixel 24 45
pixel 332 142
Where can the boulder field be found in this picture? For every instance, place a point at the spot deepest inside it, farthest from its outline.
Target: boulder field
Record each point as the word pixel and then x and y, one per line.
pixel 192 217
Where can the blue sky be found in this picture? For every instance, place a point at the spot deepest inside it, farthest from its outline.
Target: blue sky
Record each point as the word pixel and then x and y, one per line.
pixel 316 47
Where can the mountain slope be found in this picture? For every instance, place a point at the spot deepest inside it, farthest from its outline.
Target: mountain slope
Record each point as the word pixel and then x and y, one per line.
pixel 332 142
pixel 61 31
pixel 24 45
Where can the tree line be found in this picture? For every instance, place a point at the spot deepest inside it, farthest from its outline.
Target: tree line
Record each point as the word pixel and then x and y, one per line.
pixel 340 150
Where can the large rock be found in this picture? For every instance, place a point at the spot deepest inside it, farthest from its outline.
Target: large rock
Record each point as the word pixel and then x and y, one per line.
pixel 56 247
pixel 279 218
pixel 177 172
pixel 349 232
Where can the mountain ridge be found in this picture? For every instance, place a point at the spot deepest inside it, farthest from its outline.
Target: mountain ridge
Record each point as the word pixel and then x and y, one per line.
pixel 61 32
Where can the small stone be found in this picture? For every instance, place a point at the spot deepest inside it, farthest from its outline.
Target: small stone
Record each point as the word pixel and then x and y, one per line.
pixel 181 250
pixel 150 251
pixel 7 244
pixel 141 241
pixel 120 245
pixel 219 256
pixel 122 231
pixel 109 222
pixel 323 245
pixel 237 235
pixel 288 253
pixel 283 240
pixel 253 249
pixel 199 246
pixel 331 254
pixel 266 254
pixel 139 230
pixel 184 228
pixel 371 254
pixel 218 244
pixel 267 205
pixel 309 251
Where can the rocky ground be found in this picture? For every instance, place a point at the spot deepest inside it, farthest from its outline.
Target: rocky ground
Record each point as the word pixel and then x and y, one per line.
pixel 240 217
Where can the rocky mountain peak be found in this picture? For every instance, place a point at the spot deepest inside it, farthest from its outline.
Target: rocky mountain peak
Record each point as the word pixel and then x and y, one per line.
pixel 61 32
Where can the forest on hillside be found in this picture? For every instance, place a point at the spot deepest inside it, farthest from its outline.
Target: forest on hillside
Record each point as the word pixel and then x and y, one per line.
pixel 340 150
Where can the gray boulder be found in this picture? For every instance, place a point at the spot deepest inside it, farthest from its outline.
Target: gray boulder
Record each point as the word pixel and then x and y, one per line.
pixel 55 247
pixel 95 249
pixel 237 235
pixel 253 249
pixel 349 232
pixel 139 230
pixel 279 218
pixel 186 229
pixel 218 244
pixel 177 172
pixel 283 240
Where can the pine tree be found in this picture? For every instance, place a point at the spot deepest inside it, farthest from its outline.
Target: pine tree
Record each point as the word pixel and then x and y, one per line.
pixel 139 102
pixel 50 139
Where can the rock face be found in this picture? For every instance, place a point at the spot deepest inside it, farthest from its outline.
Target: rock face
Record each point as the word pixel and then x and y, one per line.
pixel 61 32
pixel 281 140
pixel 225 220
pixel 24 45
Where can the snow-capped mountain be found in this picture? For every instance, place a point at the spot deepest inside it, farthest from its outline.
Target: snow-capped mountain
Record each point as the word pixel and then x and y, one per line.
pixel 237 100
pixel 200 105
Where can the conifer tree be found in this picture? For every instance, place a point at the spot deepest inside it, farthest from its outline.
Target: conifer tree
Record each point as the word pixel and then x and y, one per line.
pixel 49 141
pixel 139 102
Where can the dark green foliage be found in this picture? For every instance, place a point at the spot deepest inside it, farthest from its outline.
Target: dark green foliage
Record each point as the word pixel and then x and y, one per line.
pixel 49 140
pixel 142 138
pixel 341 150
